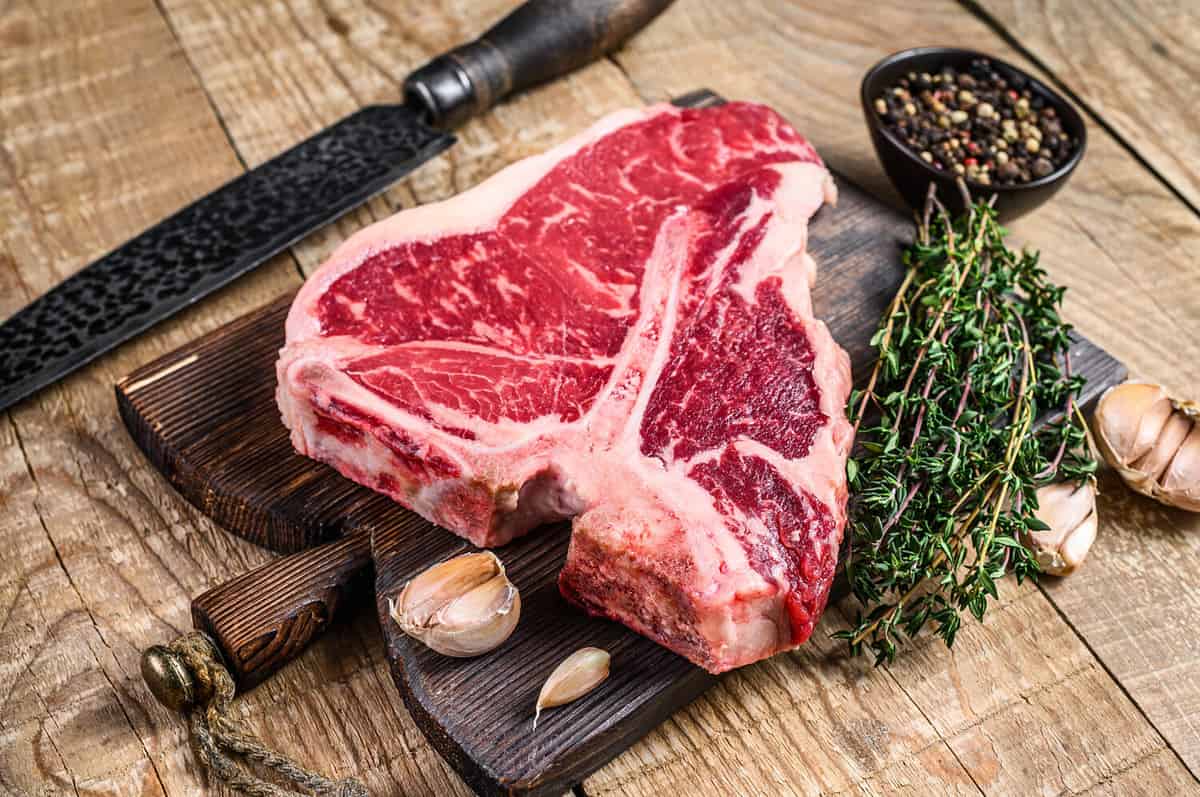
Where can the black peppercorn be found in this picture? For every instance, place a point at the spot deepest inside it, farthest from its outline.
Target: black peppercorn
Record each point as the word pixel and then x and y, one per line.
pixel 993 130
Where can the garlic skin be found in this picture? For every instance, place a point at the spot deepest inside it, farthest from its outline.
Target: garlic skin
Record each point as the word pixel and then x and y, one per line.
pixel 463 607
pixel 578 674
pixel 1153 441
pixel 1069 510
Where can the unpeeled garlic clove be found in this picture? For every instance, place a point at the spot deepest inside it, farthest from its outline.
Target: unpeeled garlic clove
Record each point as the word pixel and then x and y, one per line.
pixel 578 674
pixel 1182 477
pixel 1153 441
pixel 462 607
pixel 1070 512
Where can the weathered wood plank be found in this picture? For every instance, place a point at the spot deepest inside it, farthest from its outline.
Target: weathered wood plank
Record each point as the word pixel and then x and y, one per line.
pixel 1133 61
pixel 98 111
pixel 1003 714
pixel 1123 244
pixel 98 108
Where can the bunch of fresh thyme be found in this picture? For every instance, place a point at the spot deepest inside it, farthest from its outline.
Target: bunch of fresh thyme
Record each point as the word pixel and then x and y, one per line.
pixel 971 354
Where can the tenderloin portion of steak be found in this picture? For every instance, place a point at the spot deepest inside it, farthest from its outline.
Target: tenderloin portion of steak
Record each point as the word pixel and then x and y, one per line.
pixel 619 330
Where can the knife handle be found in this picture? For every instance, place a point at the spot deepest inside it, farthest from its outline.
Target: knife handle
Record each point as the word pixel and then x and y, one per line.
pixel 537 42
pixel 259 621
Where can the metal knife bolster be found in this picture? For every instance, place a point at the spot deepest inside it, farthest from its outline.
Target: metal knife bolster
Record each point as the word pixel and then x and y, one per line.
pixel 538 41
pixel 210 242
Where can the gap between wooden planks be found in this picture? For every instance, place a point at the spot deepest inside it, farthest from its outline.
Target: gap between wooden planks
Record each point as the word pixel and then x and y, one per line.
pixel 275 74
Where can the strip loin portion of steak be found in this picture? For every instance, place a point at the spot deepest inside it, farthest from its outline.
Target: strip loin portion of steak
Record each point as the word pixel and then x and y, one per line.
pixel 619 330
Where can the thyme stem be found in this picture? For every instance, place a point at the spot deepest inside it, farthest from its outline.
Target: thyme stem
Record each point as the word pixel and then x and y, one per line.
pixel 968 360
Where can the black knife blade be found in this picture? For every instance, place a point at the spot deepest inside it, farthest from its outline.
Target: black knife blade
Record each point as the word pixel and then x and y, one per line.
pixel 209 243
pixel 245 222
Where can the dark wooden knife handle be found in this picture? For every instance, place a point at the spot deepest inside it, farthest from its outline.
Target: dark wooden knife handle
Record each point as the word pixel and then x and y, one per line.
pixel 259 621
pixel 537 42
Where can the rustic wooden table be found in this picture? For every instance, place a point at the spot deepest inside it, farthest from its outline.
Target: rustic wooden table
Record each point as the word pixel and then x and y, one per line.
pixel 115 112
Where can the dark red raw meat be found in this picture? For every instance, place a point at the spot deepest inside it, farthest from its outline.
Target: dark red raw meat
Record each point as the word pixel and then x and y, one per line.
pixel 619 330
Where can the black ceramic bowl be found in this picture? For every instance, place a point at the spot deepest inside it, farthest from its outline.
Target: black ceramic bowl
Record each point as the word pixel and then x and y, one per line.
pixel 912 176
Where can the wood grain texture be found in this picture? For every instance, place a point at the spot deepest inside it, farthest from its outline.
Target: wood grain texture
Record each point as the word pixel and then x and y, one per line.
pixel 1134 62
pixel 98 106
pixel 1122 243
pixel 106 129
pixel 206 415
pixel 109 123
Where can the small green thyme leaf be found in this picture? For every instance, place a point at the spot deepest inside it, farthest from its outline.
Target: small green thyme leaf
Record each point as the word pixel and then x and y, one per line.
pixel 970 354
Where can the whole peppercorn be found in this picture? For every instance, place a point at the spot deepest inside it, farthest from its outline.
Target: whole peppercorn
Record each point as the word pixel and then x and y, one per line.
pixel 991 128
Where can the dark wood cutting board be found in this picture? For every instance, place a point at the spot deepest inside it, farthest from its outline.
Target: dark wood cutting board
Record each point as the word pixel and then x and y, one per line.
pixel 205 415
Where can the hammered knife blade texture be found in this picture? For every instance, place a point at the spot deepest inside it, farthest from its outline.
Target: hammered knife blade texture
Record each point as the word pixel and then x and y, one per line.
pixel 209 243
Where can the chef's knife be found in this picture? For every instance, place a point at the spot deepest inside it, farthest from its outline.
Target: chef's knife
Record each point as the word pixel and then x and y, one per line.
pixel 245 222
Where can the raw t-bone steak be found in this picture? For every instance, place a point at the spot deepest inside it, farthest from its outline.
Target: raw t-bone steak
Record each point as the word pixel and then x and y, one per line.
pixel 619 330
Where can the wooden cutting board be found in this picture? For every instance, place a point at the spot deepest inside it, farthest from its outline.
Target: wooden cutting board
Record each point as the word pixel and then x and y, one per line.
pixel 205 415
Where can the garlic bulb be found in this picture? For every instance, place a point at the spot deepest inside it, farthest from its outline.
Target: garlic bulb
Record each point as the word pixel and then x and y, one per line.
pixel 1069 510
pixel 578 674
pixel 1153 441
pixel 462 607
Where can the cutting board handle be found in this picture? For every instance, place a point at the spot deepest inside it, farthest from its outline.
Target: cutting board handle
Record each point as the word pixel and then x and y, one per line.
pixel 259 621
pixel 539 41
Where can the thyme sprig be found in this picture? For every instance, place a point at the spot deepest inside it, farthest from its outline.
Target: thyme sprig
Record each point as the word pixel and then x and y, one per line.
pixel 972 352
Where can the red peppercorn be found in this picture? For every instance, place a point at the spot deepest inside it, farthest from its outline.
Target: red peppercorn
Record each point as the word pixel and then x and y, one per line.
pixel 970 162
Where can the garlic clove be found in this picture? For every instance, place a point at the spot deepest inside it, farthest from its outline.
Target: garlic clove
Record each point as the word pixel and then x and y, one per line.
pixel 1070 512
pixel 422 597
pixel 1181 480
pixel 1075 547
pixel 477 622
pixel 578 674
pixel 492 596
pixel 1150 428
pixel 1062 507
pixel 1155 461
pixel 465 606
pixel 1129 418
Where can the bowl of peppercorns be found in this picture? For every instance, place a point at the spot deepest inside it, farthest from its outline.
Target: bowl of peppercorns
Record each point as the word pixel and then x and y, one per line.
pixel 945 115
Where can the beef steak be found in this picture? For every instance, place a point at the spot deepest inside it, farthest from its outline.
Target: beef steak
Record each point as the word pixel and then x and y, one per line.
pixel 619 330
